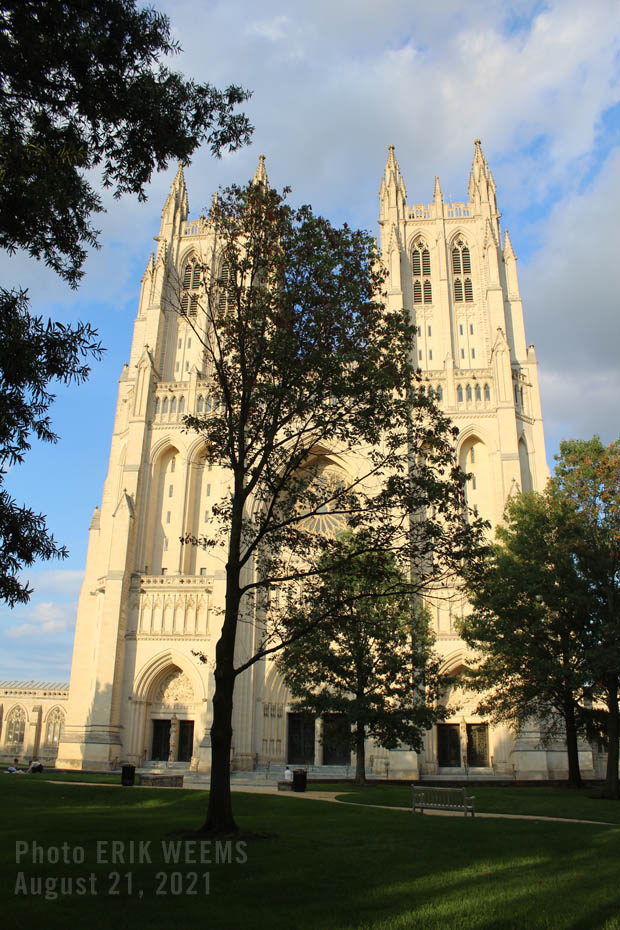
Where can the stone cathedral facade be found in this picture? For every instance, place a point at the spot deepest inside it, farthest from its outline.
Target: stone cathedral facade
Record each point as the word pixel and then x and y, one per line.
pixel 137 694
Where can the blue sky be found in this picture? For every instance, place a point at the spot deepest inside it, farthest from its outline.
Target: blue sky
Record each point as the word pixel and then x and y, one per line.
pixel 333 84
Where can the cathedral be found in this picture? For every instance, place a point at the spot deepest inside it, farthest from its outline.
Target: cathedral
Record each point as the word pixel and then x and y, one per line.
pixel 137 693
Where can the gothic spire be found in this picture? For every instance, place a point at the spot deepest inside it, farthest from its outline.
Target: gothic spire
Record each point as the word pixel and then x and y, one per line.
pixel 392 176
pixel 260 175
pixel 481 183
pixel 393 193
pixel 176 207
pixel 510 262
pixel 150 266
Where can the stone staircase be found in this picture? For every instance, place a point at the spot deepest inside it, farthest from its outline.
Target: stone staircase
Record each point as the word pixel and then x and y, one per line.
pixel 263 774
pixel 273 773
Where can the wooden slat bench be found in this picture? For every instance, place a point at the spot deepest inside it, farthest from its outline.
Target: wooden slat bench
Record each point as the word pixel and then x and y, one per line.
pixel 442 799
pixel 285 785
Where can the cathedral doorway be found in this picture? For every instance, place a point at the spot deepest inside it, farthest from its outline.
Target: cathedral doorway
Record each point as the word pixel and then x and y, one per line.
pixel 448 745
pixel 172 713
pixel 477 745
pixel 336 740
pixel 186 740
pixel 161 741
pixel 300 739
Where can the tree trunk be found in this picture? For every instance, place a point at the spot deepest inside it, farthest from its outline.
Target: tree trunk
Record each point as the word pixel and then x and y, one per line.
pixel 572 748
pixel 360 752
pixel 219 814
pixel 611 788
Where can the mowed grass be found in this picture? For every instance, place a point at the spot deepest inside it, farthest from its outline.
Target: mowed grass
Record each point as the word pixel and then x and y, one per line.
pixel 543 801
pixel 329 866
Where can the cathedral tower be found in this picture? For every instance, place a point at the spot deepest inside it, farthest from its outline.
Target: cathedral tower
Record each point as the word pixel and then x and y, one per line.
pixel 137 693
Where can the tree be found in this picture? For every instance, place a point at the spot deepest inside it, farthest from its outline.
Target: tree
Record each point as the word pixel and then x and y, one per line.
pixel 32 353
pixel 368 655
pixel 531 622
pixel 81 86
pixel 587 479
pixel 308 372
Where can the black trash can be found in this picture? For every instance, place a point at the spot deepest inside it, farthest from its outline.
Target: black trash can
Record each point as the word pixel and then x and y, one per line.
pixel 128 775
pixel 299 780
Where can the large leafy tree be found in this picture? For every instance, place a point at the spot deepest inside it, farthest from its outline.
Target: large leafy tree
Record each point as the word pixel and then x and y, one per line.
pixel 368 655
pixel 316 417
pixel 82 86
pixel 587 479
pixel 530 624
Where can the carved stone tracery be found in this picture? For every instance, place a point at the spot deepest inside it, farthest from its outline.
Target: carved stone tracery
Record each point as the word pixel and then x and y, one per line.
pixel 175 688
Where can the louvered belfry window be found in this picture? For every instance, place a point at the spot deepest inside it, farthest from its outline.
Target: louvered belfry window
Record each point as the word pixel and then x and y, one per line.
pixel 461 271
pixel 190 291
pixel 421 269
pixel 226 286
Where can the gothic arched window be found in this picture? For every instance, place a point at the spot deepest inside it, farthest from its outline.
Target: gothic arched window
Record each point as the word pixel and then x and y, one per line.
pixel 487 392
pixel 200 404
pixel 468 393
pixel 461 270
pixel 191 283
pixel 478 392
pixel 459 394
pixel 439 393
pixel 421 268
pixel 16 726
pixel 226 284
pixel 54 728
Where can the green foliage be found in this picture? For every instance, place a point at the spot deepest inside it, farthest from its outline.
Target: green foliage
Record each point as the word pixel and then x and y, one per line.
pixel 530 614
pixel 307 366
pixel 82 86
pixel 367 652
pixel 588 479
pixel 310 376
pixel 546 618
pixel 32 354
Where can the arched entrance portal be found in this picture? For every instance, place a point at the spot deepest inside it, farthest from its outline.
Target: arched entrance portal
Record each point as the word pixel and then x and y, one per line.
pixel 172 717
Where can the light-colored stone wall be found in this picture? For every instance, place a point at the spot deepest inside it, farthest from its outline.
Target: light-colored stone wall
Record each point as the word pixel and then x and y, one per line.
pixel 148 602
pixel 32 718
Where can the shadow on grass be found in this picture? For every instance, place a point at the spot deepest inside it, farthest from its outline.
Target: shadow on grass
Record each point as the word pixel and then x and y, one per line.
pixel 332 867
pixel 551 801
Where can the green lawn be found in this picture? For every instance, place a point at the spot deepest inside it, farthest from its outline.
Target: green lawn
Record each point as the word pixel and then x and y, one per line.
pixel 97 778
pixel 539 801
pixel 330 867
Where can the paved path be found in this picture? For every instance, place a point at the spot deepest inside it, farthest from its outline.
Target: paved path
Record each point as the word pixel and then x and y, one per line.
pixel 333 797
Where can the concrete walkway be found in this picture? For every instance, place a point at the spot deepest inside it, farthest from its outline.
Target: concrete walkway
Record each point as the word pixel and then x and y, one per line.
pixel 333 797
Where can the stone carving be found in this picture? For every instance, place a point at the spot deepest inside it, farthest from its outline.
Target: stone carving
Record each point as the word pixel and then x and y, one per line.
pixel 176 688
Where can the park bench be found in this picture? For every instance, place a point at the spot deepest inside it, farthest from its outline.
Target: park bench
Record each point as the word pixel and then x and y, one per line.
pixel 285 785
pixel 442 799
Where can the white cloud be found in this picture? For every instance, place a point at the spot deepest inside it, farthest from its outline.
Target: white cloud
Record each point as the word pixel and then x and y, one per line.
pixel 572 309
pixel 334 83
pixel 66 581
pixel 273 29
pixel 43 619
